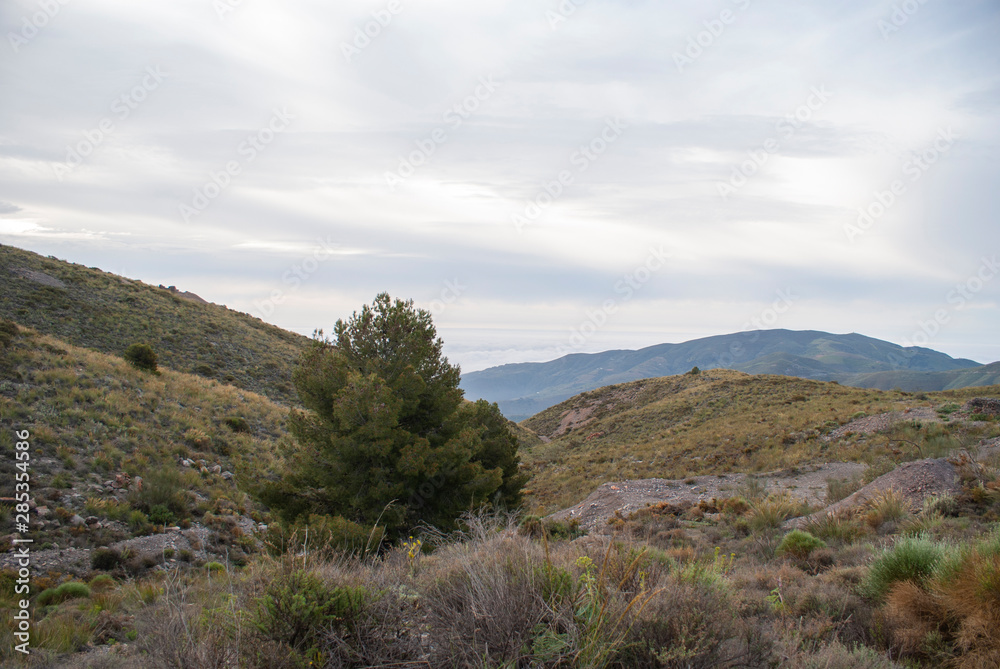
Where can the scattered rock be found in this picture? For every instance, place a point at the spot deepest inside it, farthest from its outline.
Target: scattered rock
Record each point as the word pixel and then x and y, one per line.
pixel 77 521
pixel 42 511
pixel 915 481
pixel 37 277
pixel 227 475
pixel 217 469
pixel 984 405
pixel 630 496
pixel 882 421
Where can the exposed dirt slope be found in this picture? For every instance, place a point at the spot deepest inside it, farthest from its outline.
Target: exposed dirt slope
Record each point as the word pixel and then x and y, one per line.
pixel 628 496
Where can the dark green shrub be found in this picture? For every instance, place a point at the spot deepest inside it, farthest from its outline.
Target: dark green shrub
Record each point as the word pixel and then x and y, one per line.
pixel 161 515
pixel 141 356
pixel 60 594
pixel 105 559
pixel 162 487
pixel 799 544
pixel 8 330
pixel 138 522
pixel 204 370
pixel 570 530
pixel 299 607
pixel 237 424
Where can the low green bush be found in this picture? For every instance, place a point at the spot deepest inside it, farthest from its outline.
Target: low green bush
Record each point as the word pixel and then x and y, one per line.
pixel 161 515
pixel 799 544
pixel 237 424
pixel 8 330
pixel 102 583
pixel 57 595
pixel 105 559
pixel 297 609
pixel 138 522
pixel 911 559
pixel 141 356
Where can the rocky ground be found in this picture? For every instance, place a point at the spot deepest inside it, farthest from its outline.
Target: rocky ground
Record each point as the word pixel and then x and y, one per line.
pixel 914 480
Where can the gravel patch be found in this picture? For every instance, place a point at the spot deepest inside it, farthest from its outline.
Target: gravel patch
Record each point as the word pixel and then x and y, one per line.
pixel 807 484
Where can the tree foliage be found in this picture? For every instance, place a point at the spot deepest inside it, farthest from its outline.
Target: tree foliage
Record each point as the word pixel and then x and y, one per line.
pixel 141 356
pixel 387 437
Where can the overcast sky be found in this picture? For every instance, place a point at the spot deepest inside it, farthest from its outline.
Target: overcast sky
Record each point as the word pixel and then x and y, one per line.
pixel 544 176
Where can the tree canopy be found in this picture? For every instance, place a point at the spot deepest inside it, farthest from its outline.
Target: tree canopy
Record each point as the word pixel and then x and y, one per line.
pixel 386 436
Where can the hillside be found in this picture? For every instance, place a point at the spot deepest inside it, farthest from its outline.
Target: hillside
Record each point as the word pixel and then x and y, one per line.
pixel 524 389
pixel 104 312
pixel 97 424
pixel 710 423
pixel 986 375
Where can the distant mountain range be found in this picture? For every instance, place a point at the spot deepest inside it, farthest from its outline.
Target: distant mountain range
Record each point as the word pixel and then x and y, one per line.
pixel 525 389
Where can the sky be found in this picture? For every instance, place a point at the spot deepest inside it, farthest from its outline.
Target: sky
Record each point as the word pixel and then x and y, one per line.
pixel 544 176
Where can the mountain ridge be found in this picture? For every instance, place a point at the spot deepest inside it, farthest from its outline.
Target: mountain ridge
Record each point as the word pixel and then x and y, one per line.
pixel 524 389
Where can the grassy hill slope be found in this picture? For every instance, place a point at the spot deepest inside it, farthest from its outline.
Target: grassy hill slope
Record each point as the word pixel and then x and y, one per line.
pixel 527 388
pixel 93 417
pixel 717 421
pixel 93 309
pixel 986 375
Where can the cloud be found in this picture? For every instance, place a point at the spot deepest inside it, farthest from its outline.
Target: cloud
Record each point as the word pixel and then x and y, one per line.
pixel 410 96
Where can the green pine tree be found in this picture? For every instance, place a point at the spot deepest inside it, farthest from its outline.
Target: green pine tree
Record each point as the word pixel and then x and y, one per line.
pixel 387 437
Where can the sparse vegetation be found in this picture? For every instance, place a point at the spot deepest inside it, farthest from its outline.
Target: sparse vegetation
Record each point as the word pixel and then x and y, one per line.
pixel 725 421
pixel 107 313
pixel 120 452
pixel 98 422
